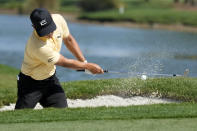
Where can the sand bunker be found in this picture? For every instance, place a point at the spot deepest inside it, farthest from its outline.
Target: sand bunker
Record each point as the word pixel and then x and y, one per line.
pixel 107 100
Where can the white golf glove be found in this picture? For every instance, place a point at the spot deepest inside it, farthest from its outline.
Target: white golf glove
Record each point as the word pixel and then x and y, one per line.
pixel 87 71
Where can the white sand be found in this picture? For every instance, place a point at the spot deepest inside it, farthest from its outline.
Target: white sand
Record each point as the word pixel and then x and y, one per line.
pixel 107 100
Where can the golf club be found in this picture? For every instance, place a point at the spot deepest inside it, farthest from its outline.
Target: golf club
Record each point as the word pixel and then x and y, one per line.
pixel 185 74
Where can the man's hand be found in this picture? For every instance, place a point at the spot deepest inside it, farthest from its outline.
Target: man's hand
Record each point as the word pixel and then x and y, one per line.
pixel 73 46
pixel 94 68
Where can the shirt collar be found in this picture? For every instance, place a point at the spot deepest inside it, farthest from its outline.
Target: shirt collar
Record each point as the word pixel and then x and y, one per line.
pixel 44 39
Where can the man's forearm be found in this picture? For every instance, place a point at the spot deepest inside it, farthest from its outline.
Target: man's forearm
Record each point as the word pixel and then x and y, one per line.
pixel 70 63
pixel 73 47
pixel 77 65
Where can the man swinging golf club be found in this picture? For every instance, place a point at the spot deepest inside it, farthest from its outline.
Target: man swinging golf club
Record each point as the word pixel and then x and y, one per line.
pixel 37 81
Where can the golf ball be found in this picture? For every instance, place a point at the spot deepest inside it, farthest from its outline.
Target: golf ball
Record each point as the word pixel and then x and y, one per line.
pixel 143 77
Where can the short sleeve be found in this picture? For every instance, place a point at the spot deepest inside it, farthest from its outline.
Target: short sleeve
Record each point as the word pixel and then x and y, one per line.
pixel 47 55
pixel 64 27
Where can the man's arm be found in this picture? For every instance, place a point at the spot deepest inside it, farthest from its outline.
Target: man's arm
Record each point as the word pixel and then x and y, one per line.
pixel 73 47
pixel 77 65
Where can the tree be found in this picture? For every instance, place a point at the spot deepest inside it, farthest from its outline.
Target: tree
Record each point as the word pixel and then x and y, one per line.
pixel 186 1
pixel 192 2
pixel 176 1
pixel 51 5
pixel 97 5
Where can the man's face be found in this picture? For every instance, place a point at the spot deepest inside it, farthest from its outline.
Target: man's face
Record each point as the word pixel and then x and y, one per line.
pixel 49 35
pixel 46 36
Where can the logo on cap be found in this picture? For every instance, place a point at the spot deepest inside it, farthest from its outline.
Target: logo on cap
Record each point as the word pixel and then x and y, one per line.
pixel 43 22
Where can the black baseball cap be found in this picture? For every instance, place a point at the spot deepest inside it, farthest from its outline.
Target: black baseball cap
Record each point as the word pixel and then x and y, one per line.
pixel 42 21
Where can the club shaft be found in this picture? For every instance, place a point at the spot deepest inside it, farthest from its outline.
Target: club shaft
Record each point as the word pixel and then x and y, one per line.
pixel 119 72
pixel 105 71
pixel 154 74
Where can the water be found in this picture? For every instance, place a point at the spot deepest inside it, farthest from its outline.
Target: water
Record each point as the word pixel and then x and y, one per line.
pixel 113 48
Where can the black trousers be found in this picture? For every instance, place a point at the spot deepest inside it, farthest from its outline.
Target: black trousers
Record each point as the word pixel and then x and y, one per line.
pixel 48 92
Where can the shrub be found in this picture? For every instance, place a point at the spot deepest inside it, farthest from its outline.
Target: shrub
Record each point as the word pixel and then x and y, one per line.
pixel 97 5
pixel 51 5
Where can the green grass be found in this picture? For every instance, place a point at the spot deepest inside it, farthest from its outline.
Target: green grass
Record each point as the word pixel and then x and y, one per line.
pixel 69 6
pixel 178 88
pixel 158 111
pixel 70 9
pixel 8 89
pixel 11 4
pixel 160 117
pixel 156 11
pixel 150 16
pixel 107 125
pixel 151 4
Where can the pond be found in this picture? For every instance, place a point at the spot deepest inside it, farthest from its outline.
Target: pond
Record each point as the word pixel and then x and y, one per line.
pixel 113 48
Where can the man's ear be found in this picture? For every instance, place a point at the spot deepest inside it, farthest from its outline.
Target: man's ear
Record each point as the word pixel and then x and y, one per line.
pixel 33 26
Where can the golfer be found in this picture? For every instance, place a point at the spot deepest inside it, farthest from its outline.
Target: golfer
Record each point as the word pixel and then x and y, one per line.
pixel 37 81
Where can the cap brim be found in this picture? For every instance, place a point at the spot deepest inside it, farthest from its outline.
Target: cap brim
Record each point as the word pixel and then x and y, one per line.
pixel 47 30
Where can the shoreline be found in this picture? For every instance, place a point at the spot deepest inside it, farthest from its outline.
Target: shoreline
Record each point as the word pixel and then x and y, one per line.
pixel 156 26
pixel 72 18
pixel 173 27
